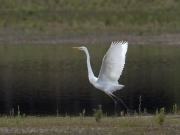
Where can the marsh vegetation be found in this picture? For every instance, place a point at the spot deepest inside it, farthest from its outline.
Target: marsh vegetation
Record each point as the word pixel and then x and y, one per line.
pixel 60 16
pixel 160 123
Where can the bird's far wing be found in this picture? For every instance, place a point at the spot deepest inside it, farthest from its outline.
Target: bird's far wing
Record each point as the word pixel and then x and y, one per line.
pixel 113 62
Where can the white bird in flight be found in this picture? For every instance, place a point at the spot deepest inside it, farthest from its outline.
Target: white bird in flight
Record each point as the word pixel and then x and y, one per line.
pixel 111 69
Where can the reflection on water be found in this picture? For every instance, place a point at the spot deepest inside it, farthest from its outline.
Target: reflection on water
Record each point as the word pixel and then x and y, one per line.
pixel 44 79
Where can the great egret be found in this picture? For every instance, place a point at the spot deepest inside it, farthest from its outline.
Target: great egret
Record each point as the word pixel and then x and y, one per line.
pixel 111 69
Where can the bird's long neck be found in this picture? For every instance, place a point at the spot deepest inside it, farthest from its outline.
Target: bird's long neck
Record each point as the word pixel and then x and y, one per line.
pixel 90 72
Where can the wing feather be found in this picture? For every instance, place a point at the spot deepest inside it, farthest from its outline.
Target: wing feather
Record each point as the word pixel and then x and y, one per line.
pixel 113 62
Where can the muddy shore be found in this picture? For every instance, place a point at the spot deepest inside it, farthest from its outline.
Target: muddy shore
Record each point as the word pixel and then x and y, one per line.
pixel 89 39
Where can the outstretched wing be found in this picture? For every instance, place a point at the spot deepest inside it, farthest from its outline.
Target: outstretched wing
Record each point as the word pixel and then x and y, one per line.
pixel 113 62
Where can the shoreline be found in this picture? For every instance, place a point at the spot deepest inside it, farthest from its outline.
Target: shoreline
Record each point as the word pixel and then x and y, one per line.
pixel 89 39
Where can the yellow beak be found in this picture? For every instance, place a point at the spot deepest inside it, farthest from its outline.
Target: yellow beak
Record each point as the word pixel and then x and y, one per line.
pixel 75 47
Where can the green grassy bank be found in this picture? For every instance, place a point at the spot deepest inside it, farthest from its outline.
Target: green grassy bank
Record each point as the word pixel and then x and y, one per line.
pixel 78 16
pixel 137 123
pixel 88 125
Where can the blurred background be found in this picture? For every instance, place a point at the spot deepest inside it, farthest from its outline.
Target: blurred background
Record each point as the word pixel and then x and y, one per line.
pixel 89 22
pixel 42 74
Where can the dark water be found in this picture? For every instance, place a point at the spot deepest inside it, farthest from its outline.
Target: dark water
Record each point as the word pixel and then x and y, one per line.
pixel 44 79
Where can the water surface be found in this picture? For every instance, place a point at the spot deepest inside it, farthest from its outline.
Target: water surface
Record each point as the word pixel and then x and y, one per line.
pixel 42 79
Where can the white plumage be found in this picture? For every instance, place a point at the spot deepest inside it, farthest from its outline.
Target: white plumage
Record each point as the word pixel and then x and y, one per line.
pixel 113 62
pixel 111 69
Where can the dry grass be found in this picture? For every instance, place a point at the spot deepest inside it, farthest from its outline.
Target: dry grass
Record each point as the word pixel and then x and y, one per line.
pixel 88 125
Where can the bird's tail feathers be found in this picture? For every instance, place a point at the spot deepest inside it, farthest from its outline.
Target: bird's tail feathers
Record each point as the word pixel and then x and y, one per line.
pixel 118 87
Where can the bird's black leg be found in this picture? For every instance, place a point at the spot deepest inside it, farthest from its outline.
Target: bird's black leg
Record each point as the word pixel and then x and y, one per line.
pixel 115 104
pixel 130 111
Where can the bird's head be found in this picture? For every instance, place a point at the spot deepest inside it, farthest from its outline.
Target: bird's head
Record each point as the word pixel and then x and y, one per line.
pixel 80 48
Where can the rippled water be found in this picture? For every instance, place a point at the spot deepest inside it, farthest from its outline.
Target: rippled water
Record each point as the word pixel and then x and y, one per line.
pixel 44 79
